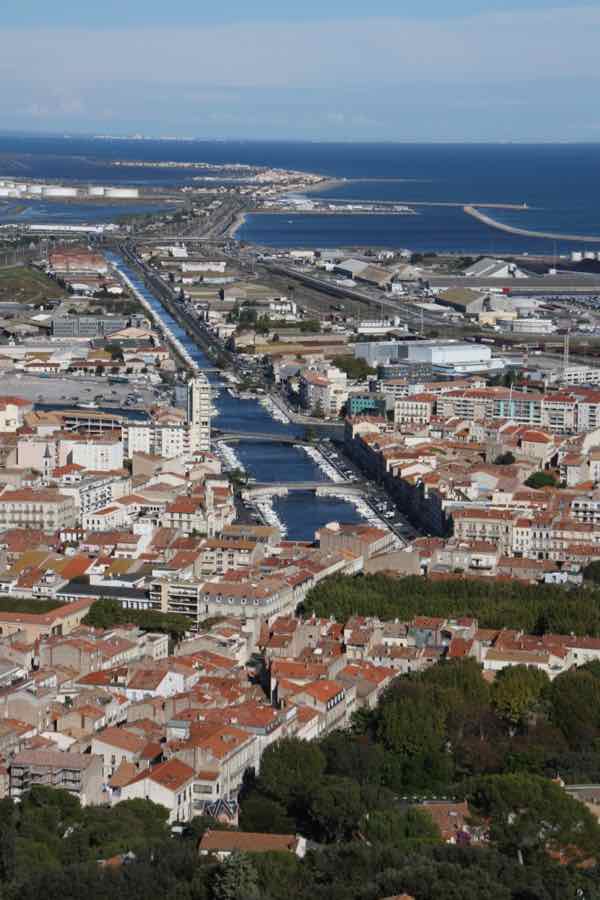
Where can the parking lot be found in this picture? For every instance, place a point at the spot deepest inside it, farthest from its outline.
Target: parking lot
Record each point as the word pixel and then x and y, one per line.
pixel 374 495
pixel 67 389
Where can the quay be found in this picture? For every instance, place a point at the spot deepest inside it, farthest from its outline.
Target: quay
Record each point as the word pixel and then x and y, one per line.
pixel 452 203
pixel 178 347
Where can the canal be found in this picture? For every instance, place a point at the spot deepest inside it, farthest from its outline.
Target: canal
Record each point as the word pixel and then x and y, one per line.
pixel 301 512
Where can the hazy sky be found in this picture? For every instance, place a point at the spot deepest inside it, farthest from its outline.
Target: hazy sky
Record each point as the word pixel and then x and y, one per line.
pixel 385 70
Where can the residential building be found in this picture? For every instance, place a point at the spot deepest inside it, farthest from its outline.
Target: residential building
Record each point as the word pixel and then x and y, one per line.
pixel 79 774
pixel 199 406
pixel 169 784
pixel 323 389
pixel 47 510
pixel 222 844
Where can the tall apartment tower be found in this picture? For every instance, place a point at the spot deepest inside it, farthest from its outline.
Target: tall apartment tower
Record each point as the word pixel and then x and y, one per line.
pixel 198 413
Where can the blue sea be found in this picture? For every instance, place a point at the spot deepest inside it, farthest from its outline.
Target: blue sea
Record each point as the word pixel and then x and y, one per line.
pixel 559 182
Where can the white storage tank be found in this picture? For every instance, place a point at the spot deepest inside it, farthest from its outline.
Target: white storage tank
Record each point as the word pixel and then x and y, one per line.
pixel 35 189
pixel 60 191
pixel 576 256
pixel 122 193
pixel 97 191
pixel 589 254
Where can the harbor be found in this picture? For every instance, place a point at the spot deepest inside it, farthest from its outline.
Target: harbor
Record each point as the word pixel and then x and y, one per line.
pixel 301 513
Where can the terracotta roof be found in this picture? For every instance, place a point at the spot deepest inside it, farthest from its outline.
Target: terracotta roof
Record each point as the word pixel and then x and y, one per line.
pixel 124 740
pixel 54 759
pixel 323 690
pixel 146 679
pixel 126 772
pixel 246 842
pixel 171 775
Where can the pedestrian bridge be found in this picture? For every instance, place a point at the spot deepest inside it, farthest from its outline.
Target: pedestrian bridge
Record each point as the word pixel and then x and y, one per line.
pixel 232 437
pixel 320 488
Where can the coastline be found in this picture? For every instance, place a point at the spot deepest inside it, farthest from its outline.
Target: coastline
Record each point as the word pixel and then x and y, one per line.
pixel 325 185
pixel 240 219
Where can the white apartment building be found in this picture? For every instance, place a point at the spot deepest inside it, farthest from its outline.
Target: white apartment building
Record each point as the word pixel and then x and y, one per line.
pixel 577 375
pixel 169 784
pixel 104 454
pixel 323 388
pixel 91 494
pixel 199 406
pixel 166 441
pixel 106 519
pixel 416 409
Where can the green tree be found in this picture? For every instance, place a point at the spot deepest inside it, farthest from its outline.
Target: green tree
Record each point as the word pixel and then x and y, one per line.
pixel 394 826
pixel 410 722
pixel 108 612
pixel 575 706
pixel 517 691
pixel 541 480
pixel 355 757
pixel 529 814
pixel 263 814
pixel 592 572
pixel 355 368
pixel 335 808
pixel 505 459
pixel 288 768
pixel 8 836
pixel 236 879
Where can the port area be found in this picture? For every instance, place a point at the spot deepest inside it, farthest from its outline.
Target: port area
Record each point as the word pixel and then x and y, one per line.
pixel 342 480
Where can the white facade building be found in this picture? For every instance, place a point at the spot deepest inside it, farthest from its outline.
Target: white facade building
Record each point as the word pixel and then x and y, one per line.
pixel 199 406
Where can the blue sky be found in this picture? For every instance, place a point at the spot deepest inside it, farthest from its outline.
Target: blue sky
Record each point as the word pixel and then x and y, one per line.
pixel 320 70
pixel 109 13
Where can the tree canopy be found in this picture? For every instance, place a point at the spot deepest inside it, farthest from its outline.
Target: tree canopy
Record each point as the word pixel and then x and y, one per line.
pixel 536 609
pixel 355 368
pixel 108 613
pixel 541 480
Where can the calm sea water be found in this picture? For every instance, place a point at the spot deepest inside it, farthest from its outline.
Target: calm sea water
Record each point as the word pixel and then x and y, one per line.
pixel 42 212
pixel 560 183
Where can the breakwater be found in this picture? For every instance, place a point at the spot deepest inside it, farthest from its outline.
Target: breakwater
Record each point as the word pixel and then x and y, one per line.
pixel 525 232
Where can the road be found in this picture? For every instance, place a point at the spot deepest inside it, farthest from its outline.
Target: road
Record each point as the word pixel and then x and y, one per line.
pixel 568 283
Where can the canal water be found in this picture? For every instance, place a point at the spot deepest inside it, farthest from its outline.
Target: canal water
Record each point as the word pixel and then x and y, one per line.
pixel 301 511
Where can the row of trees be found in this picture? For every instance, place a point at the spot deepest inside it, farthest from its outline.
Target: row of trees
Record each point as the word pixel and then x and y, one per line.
pixel 535 609
pixel 108 613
